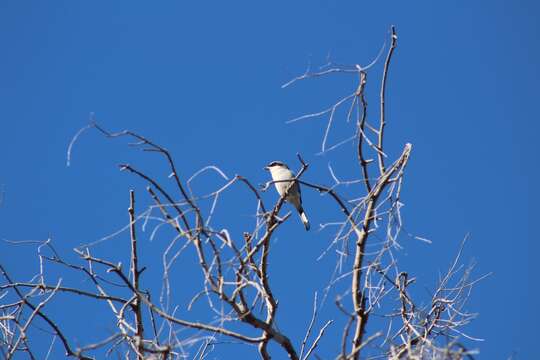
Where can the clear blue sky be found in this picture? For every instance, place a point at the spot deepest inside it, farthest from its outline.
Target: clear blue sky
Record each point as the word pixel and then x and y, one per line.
pixel 203 79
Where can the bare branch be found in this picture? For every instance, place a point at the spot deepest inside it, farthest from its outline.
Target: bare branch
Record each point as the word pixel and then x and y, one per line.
pixel 382 121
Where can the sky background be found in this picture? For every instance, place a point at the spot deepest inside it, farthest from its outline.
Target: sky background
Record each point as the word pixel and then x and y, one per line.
pixel 204 80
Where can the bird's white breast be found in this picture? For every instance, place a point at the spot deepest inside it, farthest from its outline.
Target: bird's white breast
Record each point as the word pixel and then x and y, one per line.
pixel 281 173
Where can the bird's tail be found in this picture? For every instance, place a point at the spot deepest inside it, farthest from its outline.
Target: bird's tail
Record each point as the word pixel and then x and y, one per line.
pixel 303 217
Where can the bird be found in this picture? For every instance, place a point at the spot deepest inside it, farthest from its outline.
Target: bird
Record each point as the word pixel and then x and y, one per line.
pixel 280 172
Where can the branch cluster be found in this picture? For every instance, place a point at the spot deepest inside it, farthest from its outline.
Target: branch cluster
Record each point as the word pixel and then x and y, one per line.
pixel 235 270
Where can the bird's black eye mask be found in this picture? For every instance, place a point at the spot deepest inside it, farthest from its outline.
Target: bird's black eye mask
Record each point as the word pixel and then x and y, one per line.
pixel 276 163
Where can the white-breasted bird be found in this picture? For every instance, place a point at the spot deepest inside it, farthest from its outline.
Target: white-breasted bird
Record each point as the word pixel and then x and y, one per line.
pixel 280 172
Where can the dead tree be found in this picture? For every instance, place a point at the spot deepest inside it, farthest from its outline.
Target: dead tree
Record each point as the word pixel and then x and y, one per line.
pixel 235 272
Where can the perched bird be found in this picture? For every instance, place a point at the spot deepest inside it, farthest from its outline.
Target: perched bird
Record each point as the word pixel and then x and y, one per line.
pixel 280 172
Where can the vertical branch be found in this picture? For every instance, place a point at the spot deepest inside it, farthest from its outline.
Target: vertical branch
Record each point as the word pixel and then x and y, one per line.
pixel 136 305
pixel 361 125
pixel 358 298
pixel 382 123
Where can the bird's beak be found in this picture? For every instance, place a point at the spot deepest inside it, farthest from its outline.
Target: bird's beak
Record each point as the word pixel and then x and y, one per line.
pixel 266 168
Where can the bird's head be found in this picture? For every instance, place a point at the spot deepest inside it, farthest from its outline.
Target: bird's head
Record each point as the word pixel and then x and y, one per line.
pixel 275 165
